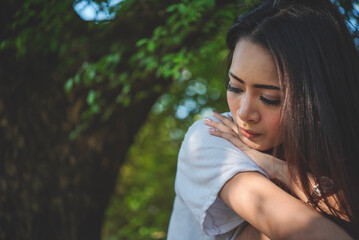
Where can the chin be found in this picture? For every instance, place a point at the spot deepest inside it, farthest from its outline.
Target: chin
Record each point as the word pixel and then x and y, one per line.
pixel 256 146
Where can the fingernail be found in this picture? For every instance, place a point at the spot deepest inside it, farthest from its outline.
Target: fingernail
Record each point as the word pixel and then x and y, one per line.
pixel 215 111
pixel 213 130
pixel 207 119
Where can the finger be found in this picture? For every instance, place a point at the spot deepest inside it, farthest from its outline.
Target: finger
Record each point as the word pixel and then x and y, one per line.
pixel 228 121
pixel 233 125
pixel 225 120
pixel 229 137
pixel 229 117
pixel 219 126
pixel 235 140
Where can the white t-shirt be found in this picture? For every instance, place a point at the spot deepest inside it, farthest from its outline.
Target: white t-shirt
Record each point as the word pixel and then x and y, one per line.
pixel 205 164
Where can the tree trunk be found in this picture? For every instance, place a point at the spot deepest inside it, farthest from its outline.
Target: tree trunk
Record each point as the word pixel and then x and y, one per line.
pixel 51 187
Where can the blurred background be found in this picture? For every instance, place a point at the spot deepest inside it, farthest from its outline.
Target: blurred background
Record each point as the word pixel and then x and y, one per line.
pixel 95 99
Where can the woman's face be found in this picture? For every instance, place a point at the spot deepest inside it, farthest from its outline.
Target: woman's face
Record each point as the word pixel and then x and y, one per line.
pixel 254 96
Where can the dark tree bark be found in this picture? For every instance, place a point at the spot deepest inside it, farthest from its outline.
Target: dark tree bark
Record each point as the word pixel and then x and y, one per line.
pixel 52 187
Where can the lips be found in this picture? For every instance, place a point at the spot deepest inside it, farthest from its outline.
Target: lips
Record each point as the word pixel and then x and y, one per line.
pixel 248 134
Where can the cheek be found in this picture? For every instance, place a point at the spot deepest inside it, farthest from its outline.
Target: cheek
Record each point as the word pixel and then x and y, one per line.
pixel 230 102
pixel 272 121
pixel 233 103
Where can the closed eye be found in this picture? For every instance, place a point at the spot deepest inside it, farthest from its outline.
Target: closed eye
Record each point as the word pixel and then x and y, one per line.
pixel 269 101
pixel 233 89
pixel 266 101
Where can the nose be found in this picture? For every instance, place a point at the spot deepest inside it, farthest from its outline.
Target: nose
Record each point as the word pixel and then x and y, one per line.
pixel 248 111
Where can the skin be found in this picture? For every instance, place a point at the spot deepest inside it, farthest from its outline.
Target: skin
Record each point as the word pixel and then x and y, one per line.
pixel 252 72
pixel 272 213
pixel 251 233
pixel 275 168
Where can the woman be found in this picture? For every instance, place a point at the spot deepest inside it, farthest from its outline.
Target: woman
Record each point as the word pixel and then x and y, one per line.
pixel 292 87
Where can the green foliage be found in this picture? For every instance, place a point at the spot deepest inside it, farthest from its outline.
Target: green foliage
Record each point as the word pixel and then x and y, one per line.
pixel 142 203
pixel 118 63
pixel 161 54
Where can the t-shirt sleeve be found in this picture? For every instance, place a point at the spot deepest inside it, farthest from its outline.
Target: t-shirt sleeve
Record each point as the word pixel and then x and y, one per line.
pixel 205 164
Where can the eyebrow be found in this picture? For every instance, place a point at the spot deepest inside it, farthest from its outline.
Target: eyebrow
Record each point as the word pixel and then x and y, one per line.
pixel 255 85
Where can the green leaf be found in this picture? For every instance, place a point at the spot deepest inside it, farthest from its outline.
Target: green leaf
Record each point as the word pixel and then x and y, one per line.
pixel 95 108
pixel 151 46
pixel 68 85
pixel 91 96
pixel 126 89
pixel 76 79
pixel 172 8
pixel 141 42
pixel 126 101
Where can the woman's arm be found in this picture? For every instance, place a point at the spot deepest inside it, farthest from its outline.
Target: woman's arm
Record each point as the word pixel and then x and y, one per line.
pixel 250 233
pixel 313 224
pixel 274 212
pixel 279 171
pixel 275 168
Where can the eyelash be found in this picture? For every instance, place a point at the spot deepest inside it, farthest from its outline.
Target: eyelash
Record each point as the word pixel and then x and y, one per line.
pixel 233 89
pixel 266 101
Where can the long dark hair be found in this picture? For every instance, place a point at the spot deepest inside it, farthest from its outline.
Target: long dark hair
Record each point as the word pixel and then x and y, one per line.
pixel 318 68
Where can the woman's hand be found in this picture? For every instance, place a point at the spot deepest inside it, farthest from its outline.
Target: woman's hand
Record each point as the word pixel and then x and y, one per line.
pixel 228 130
pixel 251 187
pixel 275 168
